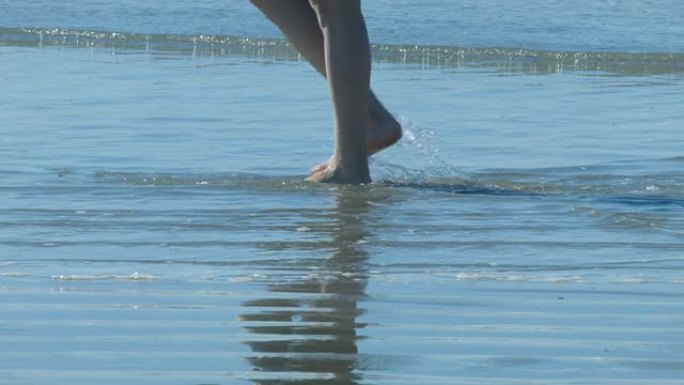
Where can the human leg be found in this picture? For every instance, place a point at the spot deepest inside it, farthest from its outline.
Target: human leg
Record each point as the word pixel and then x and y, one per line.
pixel 347 64
pixel 299 22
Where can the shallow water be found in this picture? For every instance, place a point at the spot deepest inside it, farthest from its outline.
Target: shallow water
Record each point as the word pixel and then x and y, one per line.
pixel 584 25
pixel 155 228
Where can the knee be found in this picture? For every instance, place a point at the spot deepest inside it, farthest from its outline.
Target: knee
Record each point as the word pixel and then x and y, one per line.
pixel 328 10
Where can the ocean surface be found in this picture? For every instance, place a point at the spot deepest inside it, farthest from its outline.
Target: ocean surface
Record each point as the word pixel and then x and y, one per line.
pixel 155 227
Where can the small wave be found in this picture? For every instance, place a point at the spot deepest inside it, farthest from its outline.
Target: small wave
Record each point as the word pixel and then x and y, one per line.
pixel 622 220
pixel 511 60
pixel 87 277
pixel 470 187
pixel 205 182
pixel 428 181
pixel 582 188
pixel 602 189
pixel 14 275
pixel 647 200
pixel 633 280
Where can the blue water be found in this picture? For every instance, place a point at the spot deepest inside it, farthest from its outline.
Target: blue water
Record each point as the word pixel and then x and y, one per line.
pixel 604 25
pixel 155 227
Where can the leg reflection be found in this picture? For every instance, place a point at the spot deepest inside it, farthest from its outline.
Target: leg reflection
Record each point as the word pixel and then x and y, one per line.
pixel 305 332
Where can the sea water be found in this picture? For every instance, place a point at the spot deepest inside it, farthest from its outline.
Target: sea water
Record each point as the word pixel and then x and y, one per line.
pixel 155 227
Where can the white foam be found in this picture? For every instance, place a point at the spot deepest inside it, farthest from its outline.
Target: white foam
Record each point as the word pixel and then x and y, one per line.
pixel 88 277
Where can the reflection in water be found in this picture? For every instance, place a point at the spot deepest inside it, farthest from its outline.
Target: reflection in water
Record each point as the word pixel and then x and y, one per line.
pixel 306 331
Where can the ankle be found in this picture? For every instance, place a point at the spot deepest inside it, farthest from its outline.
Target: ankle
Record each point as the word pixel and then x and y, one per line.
pixel 350 170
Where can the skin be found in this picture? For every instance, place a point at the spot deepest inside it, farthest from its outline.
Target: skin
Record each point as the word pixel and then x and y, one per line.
pixel 332 35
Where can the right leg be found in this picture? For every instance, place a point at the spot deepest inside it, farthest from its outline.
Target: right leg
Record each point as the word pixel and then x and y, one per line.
pixel 348 65
pixel 299 23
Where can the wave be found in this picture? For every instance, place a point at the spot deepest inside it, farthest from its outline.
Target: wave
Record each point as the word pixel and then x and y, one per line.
pixel 506 59
pixel 593 184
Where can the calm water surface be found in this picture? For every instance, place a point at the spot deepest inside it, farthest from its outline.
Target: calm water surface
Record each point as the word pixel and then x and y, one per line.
pixel 528 229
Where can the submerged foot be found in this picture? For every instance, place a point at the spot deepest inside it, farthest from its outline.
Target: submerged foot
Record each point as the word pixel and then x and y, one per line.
pixel 382 133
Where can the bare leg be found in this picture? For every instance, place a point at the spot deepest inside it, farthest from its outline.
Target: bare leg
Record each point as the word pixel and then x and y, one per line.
pixel 299 23
pixel 347 64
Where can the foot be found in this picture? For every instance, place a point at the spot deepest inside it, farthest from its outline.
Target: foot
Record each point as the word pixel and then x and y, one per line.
pixel 332 174
pixel 382 133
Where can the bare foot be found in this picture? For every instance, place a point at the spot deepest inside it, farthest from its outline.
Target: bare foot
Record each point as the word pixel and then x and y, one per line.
pixel 330 174
pixel 382 133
